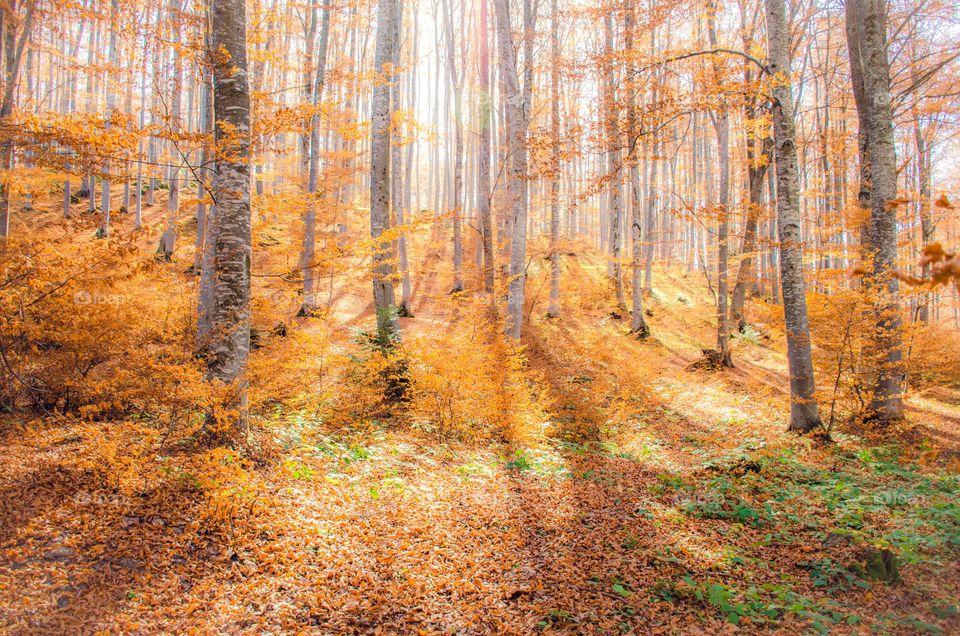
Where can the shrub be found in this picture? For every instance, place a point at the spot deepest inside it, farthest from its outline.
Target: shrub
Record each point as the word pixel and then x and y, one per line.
pixel 471 383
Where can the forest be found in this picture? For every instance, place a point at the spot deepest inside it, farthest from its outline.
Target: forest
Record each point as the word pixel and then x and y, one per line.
pixel 479 316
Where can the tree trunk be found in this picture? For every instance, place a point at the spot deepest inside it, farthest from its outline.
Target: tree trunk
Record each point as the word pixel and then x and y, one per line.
pixel 804 415
pixel 927 227
pixel 483 152
pixel 111 107
pixel 313 171
pixel 613 160
pixel 388 328
pixel 867 24
pixel 553 309
pixel 456 83
pixel 516 128
pixel 168 239
pixel 721 122
pixel 229 341
pixel 138 212
pixel 13 47
pixel 757 163
pixel 638 324
pixel 402 194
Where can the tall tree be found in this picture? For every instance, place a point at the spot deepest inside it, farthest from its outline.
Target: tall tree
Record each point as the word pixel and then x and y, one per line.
pixel 638 324
pixel 553 309
pixel 228 345
pixel 804 414
pixel 168 240
pixel 867 44
pixel 516 135
pixel 721 123
pixel 313 164
pixel 16 22
pixel 111 95
pixel 402 191
pixel 388 327
pixel 612 127
pixel 456 83
pixel 758 146
pixel 483 151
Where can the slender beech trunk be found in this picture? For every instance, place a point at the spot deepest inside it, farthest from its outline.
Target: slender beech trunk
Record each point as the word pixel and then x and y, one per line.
pixel 111 107
pixel 310 41
pixel 927 227
pixel 396 150
pixel 138 211
pixel 403 195
pixel 611 122
pixel 866 24
pixel 757 153
pixel 483 151
pixel 309 257
pixel 229 342
pixel 638 324
pixel 650 178
pixel 153 145
pixel 168 239
pixel 456 83
pixel 14 43
pixel 68 105
pixel 553 309
pixel 516 128
pixel 650 229
pixel 388 328
pixel 804 415
pixel 746 272
pixel 721 122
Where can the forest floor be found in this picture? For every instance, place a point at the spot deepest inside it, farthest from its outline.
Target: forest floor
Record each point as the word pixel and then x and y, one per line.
pixel 687 508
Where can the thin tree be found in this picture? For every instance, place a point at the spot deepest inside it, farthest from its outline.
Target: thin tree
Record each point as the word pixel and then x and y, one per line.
pixel 721 123
pixel 638 324
pixel 553 309
pixel 388 327
pixel 757 153
pixel 804 414
pixel 402 190
pixel 483 151
pixel 313 165
pixel 15 33
pixel 456 83
pixel 109 89
pixel 612 129
pixel 870 68
pixel 516 129
pixel 229 343
pixel 168 240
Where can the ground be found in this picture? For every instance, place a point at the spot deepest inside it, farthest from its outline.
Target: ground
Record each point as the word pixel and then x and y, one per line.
pixel 656 499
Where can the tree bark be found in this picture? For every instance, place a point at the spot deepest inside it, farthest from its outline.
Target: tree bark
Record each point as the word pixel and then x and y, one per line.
pixel 927 226
pixel 14 43
pixel 757 155
pixel 804 415
pixel 721 122
pixel 388 328
pixel 615 191
pixel 229 341
pixel 456 83
pixel 866 22
pixel 401 188
pixel 313 170
pixel 483 152
pixel 553 309
pixel 516 129
pixel 168 239
pixel 638 324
